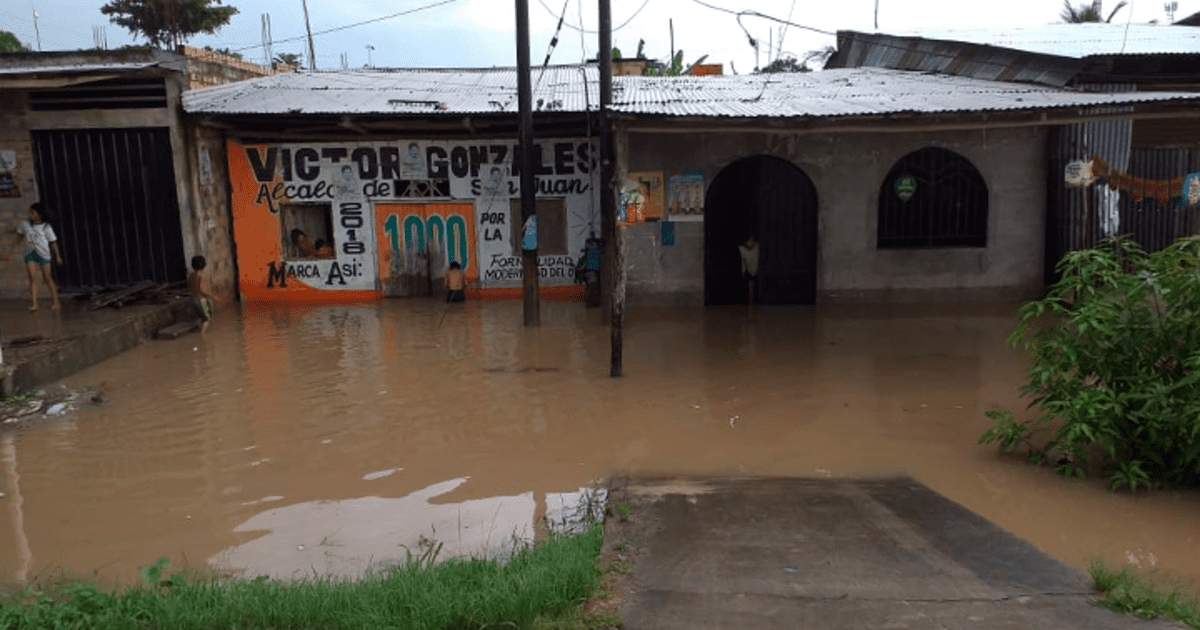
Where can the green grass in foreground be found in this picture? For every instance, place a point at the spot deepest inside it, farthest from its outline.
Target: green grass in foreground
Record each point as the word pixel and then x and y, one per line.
pixel 548 579
pixel 1127 592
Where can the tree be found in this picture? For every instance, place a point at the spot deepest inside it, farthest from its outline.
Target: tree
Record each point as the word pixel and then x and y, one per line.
pixel 10 43
pixel 168 23
pixel 784 64
pixel 289 59
pixel 224 51
pixel 789 63
pixel 1084 13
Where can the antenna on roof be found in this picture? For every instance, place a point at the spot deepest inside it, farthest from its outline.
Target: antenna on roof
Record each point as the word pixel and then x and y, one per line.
pixel 877 15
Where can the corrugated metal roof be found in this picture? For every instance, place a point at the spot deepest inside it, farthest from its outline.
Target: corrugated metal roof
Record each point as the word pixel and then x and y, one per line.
pixel 1077 40
pixel 75 69
pixel 830 93
pixel 399 91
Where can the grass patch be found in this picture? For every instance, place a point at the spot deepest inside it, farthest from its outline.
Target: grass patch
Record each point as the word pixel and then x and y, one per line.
pixel 1126 591
pixel 545 581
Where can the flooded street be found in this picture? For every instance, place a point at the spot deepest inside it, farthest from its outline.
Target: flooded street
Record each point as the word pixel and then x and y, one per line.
pixel 301 440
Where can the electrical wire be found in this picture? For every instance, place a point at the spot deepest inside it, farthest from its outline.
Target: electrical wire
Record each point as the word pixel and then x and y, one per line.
pixel 1128 21
pixel 762 15
pixel 785 27
pixel 553 44
pixel 589 31
pixel 356 24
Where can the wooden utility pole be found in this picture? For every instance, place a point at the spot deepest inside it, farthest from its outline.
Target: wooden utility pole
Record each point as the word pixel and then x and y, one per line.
pixel 529 257
pixel 614 254
pixel 312 52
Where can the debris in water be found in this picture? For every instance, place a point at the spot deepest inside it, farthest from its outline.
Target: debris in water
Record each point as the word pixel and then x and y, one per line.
pixel 731 421
pixel 57 409
pixel 380 474
pixel 300 547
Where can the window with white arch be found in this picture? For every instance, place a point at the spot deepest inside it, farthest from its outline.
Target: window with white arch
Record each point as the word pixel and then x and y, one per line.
pixel 933 197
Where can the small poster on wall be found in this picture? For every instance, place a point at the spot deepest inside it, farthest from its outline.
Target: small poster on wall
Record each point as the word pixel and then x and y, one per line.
pixel 632 203
pixel 650 185
pixel 685 196
pixel 8 184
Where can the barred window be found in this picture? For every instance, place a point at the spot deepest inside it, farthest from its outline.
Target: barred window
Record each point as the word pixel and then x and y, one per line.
pixel 933 198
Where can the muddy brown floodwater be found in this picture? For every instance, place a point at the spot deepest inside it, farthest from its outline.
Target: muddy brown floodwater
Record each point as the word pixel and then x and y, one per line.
pixel 314 440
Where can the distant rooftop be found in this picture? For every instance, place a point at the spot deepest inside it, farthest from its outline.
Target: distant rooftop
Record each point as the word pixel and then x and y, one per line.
pixel 1076 40
pixel 830 93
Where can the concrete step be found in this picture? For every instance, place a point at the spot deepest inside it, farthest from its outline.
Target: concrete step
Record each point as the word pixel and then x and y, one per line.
pixel 178 329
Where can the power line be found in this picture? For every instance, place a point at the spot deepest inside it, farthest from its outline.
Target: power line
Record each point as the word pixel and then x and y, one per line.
pixel 553 43
pixel 762 15
pixel 356 24
pixel 591 32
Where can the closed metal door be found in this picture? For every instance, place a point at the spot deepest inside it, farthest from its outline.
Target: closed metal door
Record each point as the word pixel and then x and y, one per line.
pixel 111 197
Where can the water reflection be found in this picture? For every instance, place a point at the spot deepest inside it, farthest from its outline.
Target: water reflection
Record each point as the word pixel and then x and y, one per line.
pixel 352 536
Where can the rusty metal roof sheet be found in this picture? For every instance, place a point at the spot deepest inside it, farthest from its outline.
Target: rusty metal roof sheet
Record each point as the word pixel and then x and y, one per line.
pixel 829 93
pixel 1077 40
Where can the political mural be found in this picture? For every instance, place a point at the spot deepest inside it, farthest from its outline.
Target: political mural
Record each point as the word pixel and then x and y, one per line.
pixel 347 221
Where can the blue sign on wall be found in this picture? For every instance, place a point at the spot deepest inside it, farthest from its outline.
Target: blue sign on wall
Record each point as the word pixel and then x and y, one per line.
pixel 1191 190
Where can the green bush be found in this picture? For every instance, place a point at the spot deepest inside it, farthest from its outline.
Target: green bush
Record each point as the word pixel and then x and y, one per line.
pixel 1116 359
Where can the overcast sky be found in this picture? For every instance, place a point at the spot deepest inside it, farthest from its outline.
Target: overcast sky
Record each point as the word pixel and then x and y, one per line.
pixel 482 32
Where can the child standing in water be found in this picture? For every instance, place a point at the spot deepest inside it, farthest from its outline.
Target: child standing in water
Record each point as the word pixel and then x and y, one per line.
pixel 40 243
pixel 749 251
pixel 456 282
pixel 200 297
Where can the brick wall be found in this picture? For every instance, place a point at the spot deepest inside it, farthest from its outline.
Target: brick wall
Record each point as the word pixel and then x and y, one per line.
pixel 215 222
pixel 206 68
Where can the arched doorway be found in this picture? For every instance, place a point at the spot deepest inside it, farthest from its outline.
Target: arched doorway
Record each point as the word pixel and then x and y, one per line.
pixel 776 202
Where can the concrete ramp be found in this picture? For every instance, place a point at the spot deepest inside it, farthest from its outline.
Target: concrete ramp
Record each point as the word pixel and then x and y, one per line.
pixel 824 553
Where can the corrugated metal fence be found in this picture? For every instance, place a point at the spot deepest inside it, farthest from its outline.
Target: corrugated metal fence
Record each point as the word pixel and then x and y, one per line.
pixel 111 194
pixel 1078 218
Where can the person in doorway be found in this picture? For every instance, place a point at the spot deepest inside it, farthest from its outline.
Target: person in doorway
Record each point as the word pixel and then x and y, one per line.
pixel 324 249
pixel 456 283
pixel 749 251
pixel 303 243
pixel 40 244
pixel 201 300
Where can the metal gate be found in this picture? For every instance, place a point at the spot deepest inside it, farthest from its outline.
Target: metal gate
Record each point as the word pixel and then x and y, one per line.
pixel 112 202
pixel 777 203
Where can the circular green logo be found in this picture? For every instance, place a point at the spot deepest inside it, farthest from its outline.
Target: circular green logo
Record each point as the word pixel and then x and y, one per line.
pixel 906 187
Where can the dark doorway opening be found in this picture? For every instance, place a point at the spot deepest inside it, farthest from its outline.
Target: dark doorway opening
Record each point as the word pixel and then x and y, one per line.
pixel 774 201
pixel 111 196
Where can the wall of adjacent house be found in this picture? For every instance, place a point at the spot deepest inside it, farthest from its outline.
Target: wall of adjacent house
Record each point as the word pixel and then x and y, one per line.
pixel 211 229
pixel 848 170
pixel 17 188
